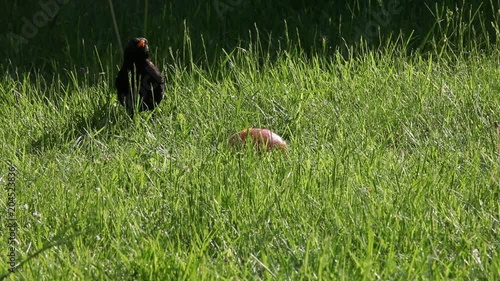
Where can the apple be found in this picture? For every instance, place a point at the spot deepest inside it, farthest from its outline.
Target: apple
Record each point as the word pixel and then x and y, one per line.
pixel 263 139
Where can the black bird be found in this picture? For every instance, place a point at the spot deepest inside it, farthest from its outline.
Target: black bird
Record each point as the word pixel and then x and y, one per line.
pixel 139 83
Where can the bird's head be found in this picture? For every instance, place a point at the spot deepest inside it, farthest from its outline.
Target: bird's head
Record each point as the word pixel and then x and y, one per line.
pixel 137 49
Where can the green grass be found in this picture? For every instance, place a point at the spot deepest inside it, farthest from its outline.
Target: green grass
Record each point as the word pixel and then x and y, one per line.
pixel 392 172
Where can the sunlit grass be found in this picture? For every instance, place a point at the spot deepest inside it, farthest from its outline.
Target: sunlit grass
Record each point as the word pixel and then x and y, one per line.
pixel 392 172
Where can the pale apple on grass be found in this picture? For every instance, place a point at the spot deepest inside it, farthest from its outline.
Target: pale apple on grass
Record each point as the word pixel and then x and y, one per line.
pixel 263 139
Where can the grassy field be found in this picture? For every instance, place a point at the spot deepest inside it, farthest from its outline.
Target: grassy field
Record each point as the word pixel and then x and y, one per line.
pixel 392 172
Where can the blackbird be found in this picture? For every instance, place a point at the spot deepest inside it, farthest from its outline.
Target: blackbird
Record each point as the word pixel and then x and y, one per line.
pixel 139 83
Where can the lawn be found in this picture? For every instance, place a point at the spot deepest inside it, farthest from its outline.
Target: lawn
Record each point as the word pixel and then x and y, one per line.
pixel 392 172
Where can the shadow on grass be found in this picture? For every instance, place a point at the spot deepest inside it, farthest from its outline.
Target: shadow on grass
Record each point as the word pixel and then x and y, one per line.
pixel 104 120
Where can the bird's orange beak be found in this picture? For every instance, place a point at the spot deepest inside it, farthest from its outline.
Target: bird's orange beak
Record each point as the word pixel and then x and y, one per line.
pixel 141 43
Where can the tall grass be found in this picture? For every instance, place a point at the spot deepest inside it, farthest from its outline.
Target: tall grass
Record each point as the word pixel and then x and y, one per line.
pixel 70 38
pixel 392 172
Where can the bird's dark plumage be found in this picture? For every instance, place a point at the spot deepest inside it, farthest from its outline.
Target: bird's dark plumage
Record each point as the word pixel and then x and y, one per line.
pixel 139 82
